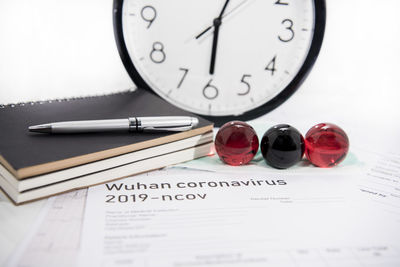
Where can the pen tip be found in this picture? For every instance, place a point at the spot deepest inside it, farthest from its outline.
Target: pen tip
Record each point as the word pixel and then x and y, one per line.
pixel 44 128
pixel 195 121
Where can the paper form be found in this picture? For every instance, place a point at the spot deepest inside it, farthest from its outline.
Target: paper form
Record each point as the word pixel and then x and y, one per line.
pixel 55 237
pixel 380 184
pixel 15 223
pixel 194 218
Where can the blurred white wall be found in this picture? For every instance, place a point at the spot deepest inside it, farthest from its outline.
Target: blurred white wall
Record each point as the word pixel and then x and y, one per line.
pixel 51 49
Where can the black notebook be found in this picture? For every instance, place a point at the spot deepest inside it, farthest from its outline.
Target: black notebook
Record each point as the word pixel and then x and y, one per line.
pixel 31 161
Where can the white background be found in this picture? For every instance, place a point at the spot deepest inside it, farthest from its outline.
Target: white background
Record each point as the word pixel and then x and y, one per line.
pixel 53 49
pixel 66 48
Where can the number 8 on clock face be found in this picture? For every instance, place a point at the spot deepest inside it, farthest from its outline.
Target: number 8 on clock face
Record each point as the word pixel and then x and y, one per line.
pixel 224 59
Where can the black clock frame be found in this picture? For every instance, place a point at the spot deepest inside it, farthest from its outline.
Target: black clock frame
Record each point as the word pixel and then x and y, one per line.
pixel 318 36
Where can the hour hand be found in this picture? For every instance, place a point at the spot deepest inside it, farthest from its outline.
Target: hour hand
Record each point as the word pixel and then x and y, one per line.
pixel 223 16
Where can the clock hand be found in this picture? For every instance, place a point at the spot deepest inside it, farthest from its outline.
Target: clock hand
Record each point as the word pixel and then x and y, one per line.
pixel 223 9
pixel 225 15
pixel 203 32
pixel 217 23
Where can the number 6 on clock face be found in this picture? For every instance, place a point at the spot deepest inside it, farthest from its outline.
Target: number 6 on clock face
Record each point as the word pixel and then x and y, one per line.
pixel 224 59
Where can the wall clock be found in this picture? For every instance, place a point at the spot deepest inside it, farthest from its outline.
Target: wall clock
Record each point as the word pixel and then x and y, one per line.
pixel 223 59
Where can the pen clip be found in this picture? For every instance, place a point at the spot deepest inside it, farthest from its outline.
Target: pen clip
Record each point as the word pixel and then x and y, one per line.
pixel 164 123
pixel 167 128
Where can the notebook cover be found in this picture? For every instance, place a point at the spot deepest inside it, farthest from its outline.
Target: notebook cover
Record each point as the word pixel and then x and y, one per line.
pixel 105 176
pixel 27 154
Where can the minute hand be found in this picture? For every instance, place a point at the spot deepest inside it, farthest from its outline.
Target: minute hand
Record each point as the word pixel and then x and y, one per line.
pixel 217 23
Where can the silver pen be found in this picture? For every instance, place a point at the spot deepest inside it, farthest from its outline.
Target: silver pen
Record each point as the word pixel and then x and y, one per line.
pixel 133 124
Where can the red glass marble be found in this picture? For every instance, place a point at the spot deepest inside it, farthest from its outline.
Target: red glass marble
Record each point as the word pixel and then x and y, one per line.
pixel 236 143
pixel 326 145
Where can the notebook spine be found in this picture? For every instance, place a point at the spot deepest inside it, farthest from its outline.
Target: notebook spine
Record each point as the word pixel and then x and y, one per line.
pixel 67 99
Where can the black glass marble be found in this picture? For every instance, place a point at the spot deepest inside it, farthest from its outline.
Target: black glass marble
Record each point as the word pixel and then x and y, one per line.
pixel 282 146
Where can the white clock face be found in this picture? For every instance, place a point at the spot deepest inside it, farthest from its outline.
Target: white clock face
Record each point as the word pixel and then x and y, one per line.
pixel 218 57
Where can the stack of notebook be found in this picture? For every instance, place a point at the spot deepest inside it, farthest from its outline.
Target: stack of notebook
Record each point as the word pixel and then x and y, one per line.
pixel 35 165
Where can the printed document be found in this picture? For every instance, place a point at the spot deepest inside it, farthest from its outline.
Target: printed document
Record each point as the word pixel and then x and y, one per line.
pixel 380 186
pixel 202 218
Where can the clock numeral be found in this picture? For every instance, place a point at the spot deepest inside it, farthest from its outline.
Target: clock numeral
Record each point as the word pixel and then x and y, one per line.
pixel 281 3
pixel 210 91
pixel 157 55
pixel 246 83
pixel 148 14
pixel 185 72
pixel 271 66
pixel 289 28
